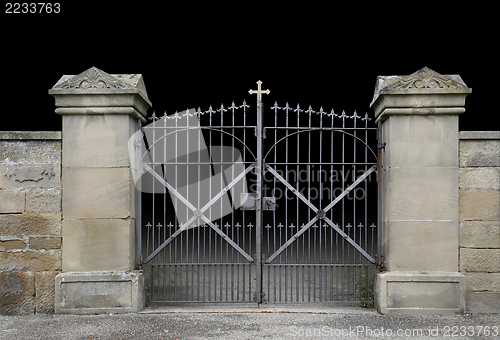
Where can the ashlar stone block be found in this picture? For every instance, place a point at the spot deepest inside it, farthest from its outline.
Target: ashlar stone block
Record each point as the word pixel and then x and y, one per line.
pixel 29 261
pixel 30 224
pixel 481 178
pixel 41 151
pixel 483 302
pixel 422 245
pixel 99 292
pixel 480 234
pixel 40 242
pixel 30 176
pixel 421 141
pixel 12 201
pixel 479 153
pixel 12 152
pixel 18 293
pixel 483 282
pixel 12 244
pixel 44 291
pixel 98 193
pixel 480 260
pixel 98 244
pixel 421 292
pixel 483 205
pixel 422 193
pixel 97 140
pixel 43 200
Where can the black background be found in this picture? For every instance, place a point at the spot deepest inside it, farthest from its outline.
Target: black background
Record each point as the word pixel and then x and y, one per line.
pixel 191 55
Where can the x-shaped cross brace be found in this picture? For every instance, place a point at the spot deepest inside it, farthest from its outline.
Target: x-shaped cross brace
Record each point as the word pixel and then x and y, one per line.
pixel 320 214
pixel 198 213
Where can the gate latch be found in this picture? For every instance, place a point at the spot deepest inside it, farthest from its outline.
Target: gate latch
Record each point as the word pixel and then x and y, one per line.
pixel 269 203
pixel 249 202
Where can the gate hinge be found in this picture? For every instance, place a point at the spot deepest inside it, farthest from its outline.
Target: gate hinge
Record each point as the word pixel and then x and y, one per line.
pixel 262 297
pixel 381 145
pixel 141 263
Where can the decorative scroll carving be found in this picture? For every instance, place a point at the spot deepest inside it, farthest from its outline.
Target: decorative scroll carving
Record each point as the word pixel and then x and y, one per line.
pixel 30 174
pixel 93 78
pixel 426 78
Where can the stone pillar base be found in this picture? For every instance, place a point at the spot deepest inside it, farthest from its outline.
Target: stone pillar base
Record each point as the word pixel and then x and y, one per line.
pixel 99 292
pixel 412 292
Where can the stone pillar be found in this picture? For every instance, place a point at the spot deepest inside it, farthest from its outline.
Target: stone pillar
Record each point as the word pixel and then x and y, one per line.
pixel 100 112
pixel 418 117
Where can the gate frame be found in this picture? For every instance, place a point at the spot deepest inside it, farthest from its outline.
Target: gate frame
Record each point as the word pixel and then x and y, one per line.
pixel 258 166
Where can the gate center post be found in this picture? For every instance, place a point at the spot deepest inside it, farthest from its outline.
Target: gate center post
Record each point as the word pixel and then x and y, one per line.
pixel 258 203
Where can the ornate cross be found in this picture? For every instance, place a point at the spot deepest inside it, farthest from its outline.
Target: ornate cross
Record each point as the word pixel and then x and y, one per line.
pixel 259 91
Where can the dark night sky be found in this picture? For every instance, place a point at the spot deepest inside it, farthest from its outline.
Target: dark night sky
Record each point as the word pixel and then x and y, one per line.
pixel 194 56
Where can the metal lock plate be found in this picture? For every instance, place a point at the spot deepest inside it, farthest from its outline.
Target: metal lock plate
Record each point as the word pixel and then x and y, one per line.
pixel 248 201
pixel 269 203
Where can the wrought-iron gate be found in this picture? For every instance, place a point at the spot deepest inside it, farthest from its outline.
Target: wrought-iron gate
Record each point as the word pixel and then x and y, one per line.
pixel 241 206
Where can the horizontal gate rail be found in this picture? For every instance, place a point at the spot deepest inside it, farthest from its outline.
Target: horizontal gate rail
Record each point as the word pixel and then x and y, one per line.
pixel 177 130
pixel 318 265
pixel 319 129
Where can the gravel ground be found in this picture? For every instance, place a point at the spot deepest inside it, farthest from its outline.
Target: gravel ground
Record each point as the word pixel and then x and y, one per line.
pixel 247 323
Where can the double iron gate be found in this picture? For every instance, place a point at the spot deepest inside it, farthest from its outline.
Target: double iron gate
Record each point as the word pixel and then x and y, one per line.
pixel 241 206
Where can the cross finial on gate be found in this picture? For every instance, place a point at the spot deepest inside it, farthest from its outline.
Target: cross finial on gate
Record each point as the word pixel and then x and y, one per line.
pixel 259 91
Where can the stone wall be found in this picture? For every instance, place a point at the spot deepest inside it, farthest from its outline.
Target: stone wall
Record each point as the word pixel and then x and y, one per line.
pixel 480 218
pixel 30 220
pixel 433 180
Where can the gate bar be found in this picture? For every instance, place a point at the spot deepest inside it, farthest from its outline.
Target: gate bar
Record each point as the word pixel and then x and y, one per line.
pixel 350 240
pixel 227 238
pixel 292 189
pixel 346 191
pixel 258 214
pixel 258 171
pixel 138 193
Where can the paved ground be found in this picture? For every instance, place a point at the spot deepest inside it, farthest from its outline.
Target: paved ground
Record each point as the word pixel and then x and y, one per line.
pixel 273 322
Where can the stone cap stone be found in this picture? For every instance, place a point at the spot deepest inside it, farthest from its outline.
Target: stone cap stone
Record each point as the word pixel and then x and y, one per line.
pixel 479 134
pixel 96 88
pixel 422 89
pixel 30 135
